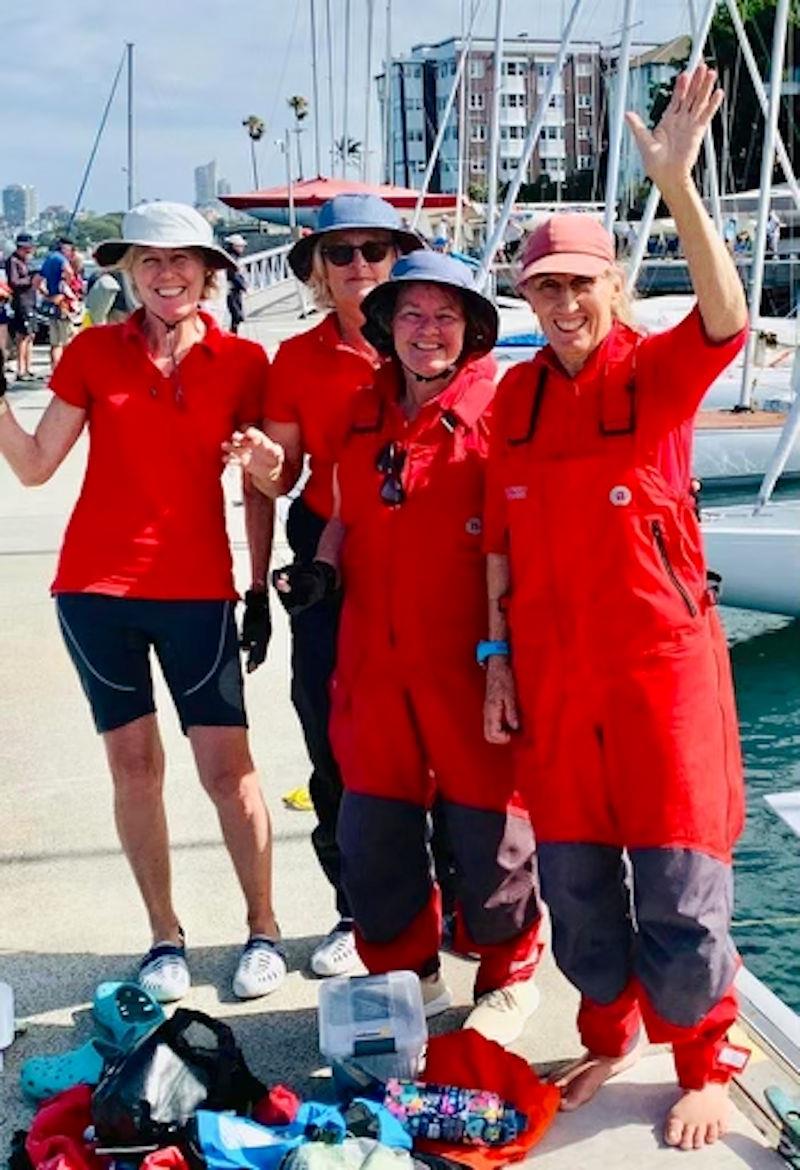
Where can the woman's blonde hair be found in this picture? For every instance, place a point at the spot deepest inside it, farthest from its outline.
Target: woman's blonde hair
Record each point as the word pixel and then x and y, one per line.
pixel 128 259
pixel 317 283
pixel 622 305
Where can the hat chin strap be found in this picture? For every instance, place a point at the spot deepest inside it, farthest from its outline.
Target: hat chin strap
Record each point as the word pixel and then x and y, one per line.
pixel 171 326
pixel 425 378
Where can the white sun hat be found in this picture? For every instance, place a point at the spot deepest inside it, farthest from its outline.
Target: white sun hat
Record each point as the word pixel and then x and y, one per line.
pixel 161 224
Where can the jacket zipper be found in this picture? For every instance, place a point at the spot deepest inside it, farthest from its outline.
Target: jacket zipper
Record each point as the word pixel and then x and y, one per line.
pixel 661 545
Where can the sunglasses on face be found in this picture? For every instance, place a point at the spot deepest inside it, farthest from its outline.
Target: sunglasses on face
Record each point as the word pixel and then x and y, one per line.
pixel 340 255
pixel 390 461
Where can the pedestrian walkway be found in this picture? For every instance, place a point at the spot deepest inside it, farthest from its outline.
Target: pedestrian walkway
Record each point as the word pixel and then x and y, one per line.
pixel 70 916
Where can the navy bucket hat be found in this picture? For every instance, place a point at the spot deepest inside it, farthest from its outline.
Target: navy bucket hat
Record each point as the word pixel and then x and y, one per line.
pixel 347 213
pixel 430 268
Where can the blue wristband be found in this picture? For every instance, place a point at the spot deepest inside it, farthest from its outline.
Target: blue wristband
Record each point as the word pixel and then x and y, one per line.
pixel 485 650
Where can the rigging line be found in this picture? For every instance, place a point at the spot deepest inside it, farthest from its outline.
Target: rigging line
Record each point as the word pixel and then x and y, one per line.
pixel 96 144
pixel 287 52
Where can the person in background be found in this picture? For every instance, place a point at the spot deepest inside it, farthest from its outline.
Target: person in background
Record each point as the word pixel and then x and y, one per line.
pixel 23 303
pixel 237 285
pixel 407 691
pixel 106 300
pixel 314 380
pixel 146 565
pixel 55 281
pixel 774 225
pixel 5 301
pixel 610 674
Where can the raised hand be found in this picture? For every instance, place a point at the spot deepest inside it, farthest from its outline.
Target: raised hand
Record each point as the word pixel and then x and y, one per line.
pixel 670 150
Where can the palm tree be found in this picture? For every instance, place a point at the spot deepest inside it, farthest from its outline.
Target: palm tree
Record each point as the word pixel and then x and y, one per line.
pixel 352 155
pixel 299 107
pixel 255 128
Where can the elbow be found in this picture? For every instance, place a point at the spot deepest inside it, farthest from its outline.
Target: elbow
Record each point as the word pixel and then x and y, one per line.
pixel 34 474
pixel 33 477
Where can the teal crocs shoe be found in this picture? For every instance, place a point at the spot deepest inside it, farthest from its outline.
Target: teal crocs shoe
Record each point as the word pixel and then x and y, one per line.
pixel 788 1110
pixel 123 1013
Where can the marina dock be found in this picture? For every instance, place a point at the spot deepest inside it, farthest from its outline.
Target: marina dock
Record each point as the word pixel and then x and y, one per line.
pixel 70 916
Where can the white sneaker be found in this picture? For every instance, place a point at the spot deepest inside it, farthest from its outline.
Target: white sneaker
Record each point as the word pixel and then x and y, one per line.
pixel 436 996
pixel 164 972
pixel 336 954
pixel 261 969
pixel 501 1015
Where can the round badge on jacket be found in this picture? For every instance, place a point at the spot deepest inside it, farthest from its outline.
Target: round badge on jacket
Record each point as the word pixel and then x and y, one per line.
pixel 620 496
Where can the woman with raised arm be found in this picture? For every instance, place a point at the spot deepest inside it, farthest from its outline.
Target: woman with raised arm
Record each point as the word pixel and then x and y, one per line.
pixel 146 565
pixel 611 674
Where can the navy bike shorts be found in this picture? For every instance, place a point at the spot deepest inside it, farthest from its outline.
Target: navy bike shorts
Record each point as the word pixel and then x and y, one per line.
pixel 109 641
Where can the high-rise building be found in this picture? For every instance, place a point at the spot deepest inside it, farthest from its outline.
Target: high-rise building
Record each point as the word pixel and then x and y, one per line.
pixel 19 205
pixel 571 135
pixel 205 184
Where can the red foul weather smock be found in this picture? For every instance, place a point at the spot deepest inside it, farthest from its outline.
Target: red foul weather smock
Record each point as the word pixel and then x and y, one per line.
pixel 407 693
pixel 617 650
pixel 629 734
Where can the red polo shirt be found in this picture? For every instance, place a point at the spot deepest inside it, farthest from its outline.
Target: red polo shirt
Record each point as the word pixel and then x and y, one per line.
pixel 150 519
pixel 313 383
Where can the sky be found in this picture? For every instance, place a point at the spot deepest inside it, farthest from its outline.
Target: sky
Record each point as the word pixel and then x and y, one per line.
pixel 202 66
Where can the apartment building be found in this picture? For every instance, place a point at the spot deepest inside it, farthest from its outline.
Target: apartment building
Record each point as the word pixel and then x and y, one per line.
pixel 421 82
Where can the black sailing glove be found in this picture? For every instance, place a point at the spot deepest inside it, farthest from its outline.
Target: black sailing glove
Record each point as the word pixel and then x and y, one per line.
pixel 256 628
pixel 301 586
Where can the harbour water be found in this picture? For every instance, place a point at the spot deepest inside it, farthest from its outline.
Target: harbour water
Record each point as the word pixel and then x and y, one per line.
pixel 765 652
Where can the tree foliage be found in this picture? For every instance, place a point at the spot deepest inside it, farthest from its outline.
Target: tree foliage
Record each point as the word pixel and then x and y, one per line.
pixel 744 122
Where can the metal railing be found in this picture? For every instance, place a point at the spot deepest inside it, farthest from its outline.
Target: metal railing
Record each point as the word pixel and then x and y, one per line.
pixel 265 270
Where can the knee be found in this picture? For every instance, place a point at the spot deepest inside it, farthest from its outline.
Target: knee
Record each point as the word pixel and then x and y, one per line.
pixel 228 782
pixel 137 773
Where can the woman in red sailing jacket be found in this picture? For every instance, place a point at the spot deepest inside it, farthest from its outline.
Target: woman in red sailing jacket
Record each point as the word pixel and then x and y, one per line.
pixel 408 694
pixel 610 664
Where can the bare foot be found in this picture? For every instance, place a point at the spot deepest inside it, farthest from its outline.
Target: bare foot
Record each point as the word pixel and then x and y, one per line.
pixel 698 1118
pixel 581 1081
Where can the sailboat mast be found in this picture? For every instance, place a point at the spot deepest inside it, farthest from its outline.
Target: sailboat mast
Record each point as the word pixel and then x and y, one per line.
pixel 462 134
pixel 368 93
pixel 131 184
pixel 315 86
pixel 618 116
pixel 346 97
pixel 95 145
pixel 388 143
pixel 331 109
pixel 494 128
pixel 765 195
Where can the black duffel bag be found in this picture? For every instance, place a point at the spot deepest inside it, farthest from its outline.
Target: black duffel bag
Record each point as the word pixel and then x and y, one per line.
pixel 148 1094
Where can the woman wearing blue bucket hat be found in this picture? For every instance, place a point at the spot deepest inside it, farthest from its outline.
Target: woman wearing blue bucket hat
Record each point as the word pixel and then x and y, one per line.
pixel 408 693
pixel 313 381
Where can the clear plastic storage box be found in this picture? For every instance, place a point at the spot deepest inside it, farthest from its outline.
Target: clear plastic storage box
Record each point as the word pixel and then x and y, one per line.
pixel 377 1020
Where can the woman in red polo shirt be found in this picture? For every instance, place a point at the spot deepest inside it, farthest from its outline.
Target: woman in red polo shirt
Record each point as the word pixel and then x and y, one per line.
pixel 146 563
pixel 313 382
pixel 610 663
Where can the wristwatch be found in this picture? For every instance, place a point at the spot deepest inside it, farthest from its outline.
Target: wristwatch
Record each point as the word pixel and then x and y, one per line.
pixel 485 649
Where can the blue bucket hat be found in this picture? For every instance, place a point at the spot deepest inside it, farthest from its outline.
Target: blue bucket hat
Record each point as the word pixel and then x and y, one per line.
pixel 345 213
pixel 430 268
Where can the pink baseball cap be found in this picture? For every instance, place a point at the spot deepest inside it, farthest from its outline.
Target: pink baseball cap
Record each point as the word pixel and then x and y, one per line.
pixel 573 243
